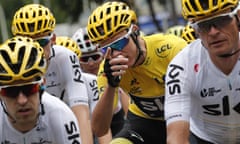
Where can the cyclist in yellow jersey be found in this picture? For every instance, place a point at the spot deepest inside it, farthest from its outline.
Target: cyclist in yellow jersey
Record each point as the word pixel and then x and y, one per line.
pixel 136 64
pixel 90 61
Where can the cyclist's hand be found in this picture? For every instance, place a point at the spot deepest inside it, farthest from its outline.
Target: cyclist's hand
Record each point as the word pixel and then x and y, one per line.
pixel 114 67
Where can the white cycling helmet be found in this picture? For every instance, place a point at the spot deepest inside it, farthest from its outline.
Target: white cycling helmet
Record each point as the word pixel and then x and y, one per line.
pixel 83 41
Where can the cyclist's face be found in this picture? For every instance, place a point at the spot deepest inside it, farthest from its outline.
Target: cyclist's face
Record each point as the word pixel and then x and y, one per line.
pixel 46 41
pixel 128 49
pixel 91 63
pixel 219 38
pixel 22 104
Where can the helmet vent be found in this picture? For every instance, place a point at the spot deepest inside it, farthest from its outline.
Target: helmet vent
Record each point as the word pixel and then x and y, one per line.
pixel 20 15
pixel 42 62
pixel 5 78
pixel 2 70
pixel 12 45
pixel 116 8
pixel 88 44
pixel 40 13
pixel 115 20
pixel 23 27
pixel 31 73
pixel 31 27
pixel 32 58
pixel 34 14
pixel 85 37
pixel 108 11
pixel 100 30
pixel 109 26
pixel 15 67
pixel 81 46
pixel 45 24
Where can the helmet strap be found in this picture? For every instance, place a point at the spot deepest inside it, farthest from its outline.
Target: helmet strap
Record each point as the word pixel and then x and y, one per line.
pixel 134 36
pixel 41 90
pixel 6 112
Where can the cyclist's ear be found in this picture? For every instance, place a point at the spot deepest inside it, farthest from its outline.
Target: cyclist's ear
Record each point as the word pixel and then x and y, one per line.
pixel 136 30
pixel 53 38
pixel 42 85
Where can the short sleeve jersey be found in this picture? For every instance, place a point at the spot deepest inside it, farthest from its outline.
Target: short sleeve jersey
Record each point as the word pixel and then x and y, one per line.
pixel 57 125
pixel 64 77
pixel 145 83
pixel 198 92
pixel 92 90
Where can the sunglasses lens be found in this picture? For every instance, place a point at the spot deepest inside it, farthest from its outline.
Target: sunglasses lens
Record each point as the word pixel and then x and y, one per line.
pixel 43 42
pixel 218 23
pixel 94 57
pixel 14 91
pixel 118 45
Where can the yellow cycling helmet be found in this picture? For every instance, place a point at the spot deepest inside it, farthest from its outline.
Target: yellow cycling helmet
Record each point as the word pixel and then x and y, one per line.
pixel 69 43
pixel 32 20
pixel 175 30
pixel 21 59
pixel 109 19
pixel 120 141
pixel 197 9
pixel 188 34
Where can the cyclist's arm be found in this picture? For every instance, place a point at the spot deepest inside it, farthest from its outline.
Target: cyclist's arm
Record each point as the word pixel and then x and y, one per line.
pixel 76 91
pixel 102 113
pixel 62 121
pixel 124 97
pixel 178 132
pixel 106 139
pixel 178 99
pixel 83 116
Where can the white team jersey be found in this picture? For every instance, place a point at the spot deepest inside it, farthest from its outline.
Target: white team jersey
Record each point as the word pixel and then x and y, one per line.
pixel 197 91
pixel 93 93
pixel 64 77
pixel 92 90
pixel 57 126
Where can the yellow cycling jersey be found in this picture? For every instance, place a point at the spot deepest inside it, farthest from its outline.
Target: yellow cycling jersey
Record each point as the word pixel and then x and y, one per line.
pixel 145 83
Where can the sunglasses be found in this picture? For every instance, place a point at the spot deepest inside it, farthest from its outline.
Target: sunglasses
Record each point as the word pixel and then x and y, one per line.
pixel 118 44
pixel 85 59
pixel 13 91
pixel 218 22
pixel 43 41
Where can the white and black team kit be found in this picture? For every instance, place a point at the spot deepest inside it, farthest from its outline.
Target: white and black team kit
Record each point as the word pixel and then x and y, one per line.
pixel 198 92
pixel 58 125
pixel 64 77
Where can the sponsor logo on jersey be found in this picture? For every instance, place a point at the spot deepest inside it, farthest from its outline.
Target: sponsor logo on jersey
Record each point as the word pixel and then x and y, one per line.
pixel 134 82
pixel 53 84
pixel 209 92
pixel 94 88
pixel 134 87
pixel 196 67
pixel 147 61
pixel 152 106
pixel 173 84
pixel 221 108
pixel 72 132
pixel 163 51
pixel 76 68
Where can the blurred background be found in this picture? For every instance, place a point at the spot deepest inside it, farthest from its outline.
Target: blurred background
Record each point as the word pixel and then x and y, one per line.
pixel 153 15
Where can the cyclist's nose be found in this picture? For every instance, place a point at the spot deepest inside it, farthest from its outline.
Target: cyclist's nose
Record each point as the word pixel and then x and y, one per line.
pixel 22 98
